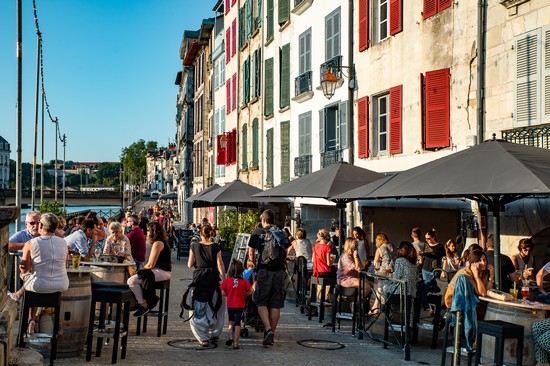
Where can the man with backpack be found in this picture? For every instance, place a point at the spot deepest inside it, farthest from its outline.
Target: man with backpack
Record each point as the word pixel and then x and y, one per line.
pixel 271 244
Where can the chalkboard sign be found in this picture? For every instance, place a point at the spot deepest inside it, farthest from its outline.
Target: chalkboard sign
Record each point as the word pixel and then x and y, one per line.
pixel 184 243
pixel 241 248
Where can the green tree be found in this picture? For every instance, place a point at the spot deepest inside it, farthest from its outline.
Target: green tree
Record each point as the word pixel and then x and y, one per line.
pixel 133 157
pixel 52 207
pixel 108 174
pixel 248 221
pixel 227 225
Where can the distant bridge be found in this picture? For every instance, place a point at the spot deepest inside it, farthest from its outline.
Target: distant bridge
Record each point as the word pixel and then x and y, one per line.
pixel 73 198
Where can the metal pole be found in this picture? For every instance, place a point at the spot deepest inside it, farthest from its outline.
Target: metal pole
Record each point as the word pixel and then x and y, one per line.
pixel 63 178
pixel 33 173
pixel 480 93
pixel 55 164
pixel 42 165
pixel 496 230
pixel 18 109
pixel 458 331
pixel 351 90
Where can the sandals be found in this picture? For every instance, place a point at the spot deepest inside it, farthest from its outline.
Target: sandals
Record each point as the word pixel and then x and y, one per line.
pixel 235 346
pixel 374 312
pixel 204 344
pixel 229 342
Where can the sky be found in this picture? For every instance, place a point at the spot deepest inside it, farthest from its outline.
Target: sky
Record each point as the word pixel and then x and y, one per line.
pixel 109 73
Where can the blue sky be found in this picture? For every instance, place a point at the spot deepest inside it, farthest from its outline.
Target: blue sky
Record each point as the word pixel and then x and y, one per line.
pixel 109 68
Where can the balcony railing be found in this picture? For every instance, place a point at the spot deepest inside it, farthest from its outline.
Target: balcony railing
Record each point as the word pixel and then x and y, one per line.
pixel 331 157
pixel 302 83
pixel 538 136
pixel 302 165
pixel 335 61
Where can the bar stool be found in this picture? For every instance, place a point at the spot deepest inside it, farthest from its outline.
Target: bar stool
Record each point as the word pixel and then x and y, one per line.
pixel 33 300
pixel 501 330
pixel 313 301
pixel 108 296
pixel 161 313
pixel 303 276
pixel 349 296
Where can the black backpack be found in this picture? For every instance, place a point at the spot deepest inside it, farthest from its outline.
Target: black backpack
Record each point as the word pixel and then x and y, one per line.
pixel 275 244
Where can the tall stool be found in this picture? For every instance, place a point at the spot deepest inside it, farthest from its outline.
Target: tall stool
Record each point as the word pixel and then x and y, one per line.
pixel 500 330
pixel 313 301
pixel 32 300
pixel 108 296
pixel 347 295
pixel 303 276
pixel 161 313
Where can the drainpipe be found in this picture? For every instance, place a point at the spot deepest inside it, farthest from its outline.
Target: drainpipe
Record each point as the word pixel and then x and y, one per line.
pixel 481 53
pixel 351 90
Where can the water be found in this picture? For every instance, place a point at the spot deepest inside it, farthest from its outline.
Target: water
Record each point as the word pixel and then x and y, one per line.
pixel 69 209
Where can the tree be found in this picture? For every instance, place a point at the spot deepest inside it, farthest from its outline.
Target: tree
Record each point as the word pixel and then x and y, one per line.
pixel 108 174
pixel 133 157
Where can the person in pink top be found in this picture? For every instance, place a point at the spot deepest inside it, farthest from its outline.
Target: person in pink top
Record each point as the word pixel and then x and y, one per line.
pixel 236 288
pixel 137 241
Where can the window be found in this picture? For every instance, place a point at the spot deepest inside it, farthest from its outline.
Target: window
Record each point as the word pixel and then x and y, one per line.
pixel 382 20
pixel 219 128
pixel 227 45
pixel 255 74
pixel 269 158
pixel 244 145
pixel 284 11
pixel 333 127
pixel 284 82
pixel 436 88
pixel 269 20
pixel 246 81
pixel 268 101
pixel 432 7
pixel 219 72
pixel 304 132
pixel 255 142
pixel 305 51
pixel 332 34
pixel 381 127
pixel 532 97
pixel 257 14
pixel 285 151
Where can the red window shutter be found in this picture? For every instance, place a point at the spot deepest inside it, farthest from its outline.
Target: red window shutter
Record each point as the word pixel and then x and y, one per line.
pixel 396 119
pixel 396 25
pixel 233 2
pixel 227 45
pixel 226 6
pixel 438 127
pixel 443 4
pixel 430 8
pixel 234 92
pixel 363 25
pixel 363 127
pixel 233 37
pixel 231 150
pixel 228 96
pixel 234 138
pixel 220 153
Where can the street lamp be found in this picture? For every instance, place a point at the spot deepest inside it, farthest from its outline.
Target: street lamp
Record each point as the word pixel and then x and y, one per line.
pixel 223 140
pixel 329 80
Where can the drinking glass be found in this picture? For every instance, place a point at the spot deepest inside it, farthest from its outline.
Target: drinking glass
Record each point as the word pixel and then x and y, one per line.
pixel 524 293
pixel 97 254
pixel 514 293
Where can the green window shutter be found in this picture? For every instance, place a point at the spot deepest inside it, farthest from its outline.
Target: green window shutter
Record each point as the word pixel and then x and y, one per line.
pixel 268 107
pixel 248 18
pixel 284 11
pixel 259 18
pixel 246 81
pixel 269 158
pixel 255 142
pixel 285 151
pixel 321 131
pixel 258 72
pixel 244 144
pixel 285 76
pixel 269 20
pixel 343 117
pixel 252 73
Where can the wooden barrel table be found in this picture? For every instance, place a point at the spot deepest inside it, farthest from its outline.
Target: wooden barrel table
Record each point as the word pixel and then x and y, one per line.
pixel 514 312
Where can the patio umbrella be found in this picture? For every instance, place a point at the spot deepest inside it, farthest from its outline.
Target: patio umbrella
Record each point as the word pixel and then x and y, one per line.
pixel 326 183
pixel 236 193
pixel 195 199
pixel 169 196
pixel 495 172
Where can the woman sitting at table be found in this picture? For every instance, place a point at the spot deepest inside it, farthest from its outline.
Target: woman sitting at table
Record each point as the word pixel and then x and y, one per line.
pixel 158 268
pixel 349 265
pixel 117 243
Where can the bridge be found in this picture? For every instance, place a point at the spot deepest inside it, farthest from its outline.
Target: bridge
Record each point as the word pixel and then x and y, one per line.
pixel 73 198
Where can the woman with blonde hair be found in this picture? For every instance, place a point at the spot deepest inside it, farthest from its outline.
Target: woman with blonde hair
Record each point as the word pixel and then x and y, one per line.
pixel 383 264
pixel 349 265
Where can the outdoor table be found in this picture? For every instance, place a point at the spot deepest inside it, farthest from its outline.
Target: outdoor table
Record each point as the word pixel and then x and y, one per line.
pixel 515 312
pixel 109 271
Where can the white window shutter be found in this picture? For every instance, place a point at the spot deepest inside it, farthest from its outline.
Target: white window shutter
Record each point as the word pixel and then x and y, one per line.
pixel 546 75
pixel 321 131
pixel 527 109
pixel 343 122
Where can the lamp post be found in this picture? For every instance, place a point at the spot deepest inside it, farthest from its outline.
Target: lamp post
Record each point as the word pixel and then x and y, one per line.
pixel 63 176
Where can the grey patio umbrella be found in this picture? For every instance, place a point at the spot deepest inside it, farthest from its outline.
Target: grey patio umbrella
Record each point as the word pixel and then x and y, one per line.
pixel 169 196
pixel 236 193
pixel 326 183
pixel 495 172
pixel 195 199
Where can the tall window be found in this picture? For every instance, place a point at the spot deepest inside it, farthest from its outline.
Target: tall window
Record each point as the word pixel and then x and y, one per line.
pixel 332 34
pixel 333 127
pixel 304 131
pixel 269 158
pixel 244 144
pixel 381 20
pixel 285 151
pixel 246 81
pixel 268 100
pixel 284 11
pixel 255 74
pixel 269 20
pixel 219 128
pixel 381 124
pixel 255 143
pixel 219 72
pixel 284 91
pixel 305 51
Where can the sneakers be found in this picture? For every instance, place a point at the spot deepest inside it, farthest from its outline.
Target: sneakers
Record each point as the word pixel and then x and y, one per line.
pixel 141 311
pixel 269 336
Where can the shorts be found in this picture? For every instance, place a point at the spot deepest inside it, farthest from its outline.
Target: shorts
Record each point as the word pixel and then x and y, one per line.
pixel 270 289
pixel 235 315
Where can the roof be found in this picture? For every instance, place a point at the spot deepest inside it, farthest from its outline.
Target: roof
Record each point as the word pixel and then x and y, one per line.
pixel 188 38
pixel 206 29
pixel 219 6
pixel 190 54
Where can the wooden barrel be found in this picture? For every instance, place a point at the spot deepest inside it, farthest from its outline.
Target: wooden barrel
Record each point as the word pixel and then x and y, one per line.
pixel 110 274
pixel 75 315
pixel 514 315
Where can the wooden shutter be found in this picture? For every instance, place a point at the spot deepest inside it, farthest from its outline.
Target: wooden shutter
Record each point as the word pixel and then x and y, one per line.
pixel 343 124
pixel 226 6
pixel 268 107
pixel 241 27
pixel 430 8
pixel 396 9
pixel 396 118
pixel 284 11
pixel 285 76
pixel 244 146
pixel 220 153
pixel 321 131
pixel 228 96
pixel 527 78
pixel 269 20
pixel 269 158
pixel 246 81
pixel 231 147
pixel 545 111
pixel 252 73
pixel 363 127
pixel 233 37
pixel 234 92
pixel 443 4
pixel 259 19
pixel 227 45
pixel 304 132
pixel 233 2
pixel 255 142
pixel 248 18
pixel 285 151
pixel 258 72
pixel 437 108
pixel 363 25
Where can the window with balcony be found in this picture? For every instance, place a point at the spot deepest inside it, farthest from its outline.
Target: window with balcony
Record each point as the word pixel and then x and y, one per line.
pixel 333 132
pixel 302 164
pixel 302 83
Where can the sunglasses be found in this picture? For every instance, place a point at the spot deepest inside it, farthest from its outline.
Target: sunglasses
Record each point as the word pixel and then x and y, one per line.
pixel 32 223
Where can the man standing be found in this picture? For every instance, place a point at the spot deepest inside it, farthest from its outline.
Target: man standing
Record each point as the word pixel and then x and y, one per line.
pixel 508 273
pixel 137 240
pixel 269 295
pixel 17 241
pixel 78 241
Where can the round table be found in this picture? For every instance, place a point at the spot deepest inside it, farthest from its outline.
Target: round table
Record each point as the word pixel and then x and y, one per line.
pixel 515 312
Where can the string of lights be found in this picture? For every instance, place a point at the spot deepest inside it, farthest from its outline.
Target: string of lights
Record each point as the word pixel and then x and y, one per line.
pixel 45 99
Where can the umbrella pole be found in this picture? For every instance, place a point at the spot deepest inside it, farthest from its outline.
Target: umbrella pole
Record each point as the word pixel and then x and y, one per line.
pixel 341 238
pixel 495 207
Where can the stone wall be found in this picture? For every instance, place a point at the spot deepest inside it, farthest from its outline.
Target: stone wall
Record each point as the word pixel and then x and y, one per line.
pixel 8 307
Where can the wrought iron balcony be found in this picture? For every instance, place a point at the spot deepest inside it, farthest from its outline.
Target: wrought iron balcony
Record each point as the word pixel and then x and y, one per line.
pixel 331 157
pixel 302 165
pixel 335 61
pixel 302 83
pixel 538 136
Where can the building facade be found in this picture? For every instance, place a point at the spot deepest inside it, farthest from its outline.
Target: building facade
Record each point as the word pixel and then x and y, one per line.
pixel 4 163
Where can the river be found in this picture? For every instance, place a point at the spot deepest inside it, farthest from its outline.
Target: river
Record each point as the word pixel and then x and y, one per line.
pixel 69 209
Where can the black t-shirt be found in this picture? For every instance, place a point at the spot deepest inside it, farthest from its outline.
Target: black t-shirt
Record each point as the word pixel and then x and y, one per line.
pixel 256 241
pixel 164 261
pixel 433 256
pixel 506 268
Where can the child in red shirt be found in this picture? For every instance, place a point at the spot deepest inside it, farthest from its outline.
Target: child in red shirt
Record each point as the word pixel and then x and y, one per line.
pixel 236 288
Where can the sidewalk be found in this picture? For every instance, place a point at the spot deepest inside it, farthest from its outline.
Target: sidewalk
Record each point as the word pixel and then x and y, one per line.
pixel 147 349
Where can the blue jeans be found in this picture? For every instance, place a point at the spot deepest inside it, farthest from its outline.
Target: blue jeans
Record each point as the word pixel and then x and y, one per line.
pixel 543 298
